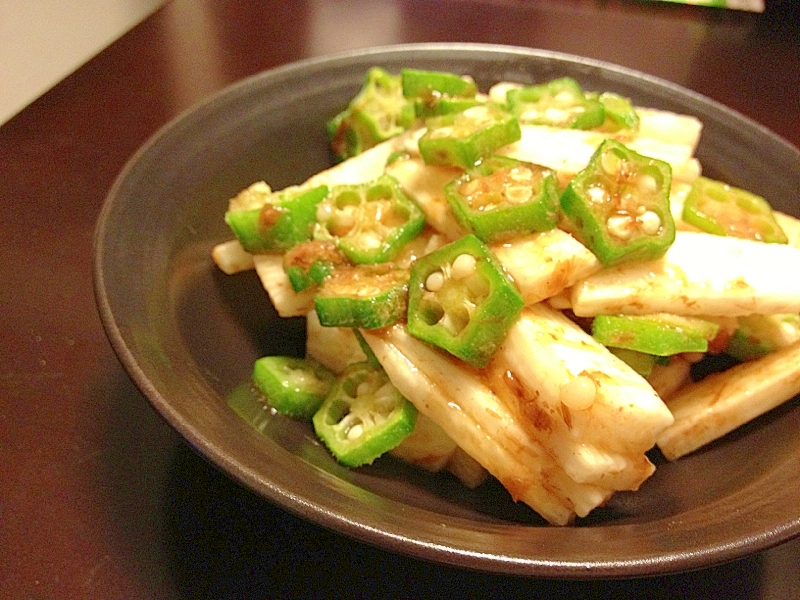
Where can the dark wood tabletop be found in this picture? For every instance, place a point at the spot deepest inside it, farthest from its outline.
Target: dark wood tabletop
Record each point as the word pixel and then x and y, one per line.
pixel 99 497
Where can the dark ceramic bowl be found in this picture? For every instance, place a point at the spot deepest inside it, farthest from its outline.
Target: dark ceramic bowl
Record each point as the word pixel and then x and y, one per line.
pixel 188 335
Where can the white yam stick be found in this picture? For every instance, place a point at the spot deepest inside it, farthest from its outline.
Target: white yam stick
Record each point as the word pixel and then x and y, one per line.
pixel 701 274
pixel 707 410
pixel 461 403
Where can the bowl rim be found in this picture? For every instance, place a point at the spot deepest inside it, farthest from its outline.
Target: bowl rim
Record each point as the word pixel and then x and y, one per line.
pixel 321 513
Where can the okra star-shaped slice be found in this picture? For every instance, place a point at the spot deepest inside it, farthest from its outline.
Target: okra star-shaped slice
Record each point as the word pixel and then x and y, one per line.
pixel 370 222
pixel 377 113
pixel 280 220
pixel 558 103
pixel 620 205
pixel 462 139
pixel 438 93
pixel 461 300
pixel 362 296
pixel 503 197
pixel 363 415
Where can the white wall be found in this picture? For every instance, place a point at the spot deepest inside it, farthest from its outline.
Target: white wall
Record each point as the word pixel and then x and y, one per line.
pixel 43 41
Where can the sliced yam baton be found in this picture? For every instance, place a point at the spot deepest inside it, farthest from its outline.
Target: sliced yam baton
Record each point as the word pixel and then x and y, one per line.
pixel 425 185
pixel 709 409
pixel 460 401
pixel 334 347
pixel 544 264
pixel 428 446
pixel 231 258
pixel 569 150
pixel 589 409
pixel 275 281
pixel 700 275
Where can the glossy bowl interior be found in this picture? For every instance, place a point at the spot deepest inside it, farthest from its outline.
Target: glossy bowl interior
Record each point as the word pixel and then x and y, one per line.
pixel 188 334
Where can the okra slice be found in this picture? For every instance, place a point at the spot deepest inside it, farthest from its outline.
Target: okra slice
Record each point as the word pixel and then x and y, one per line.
pixel 295 387
pixel 363 416
pixel 620 205
pixel 363 296
pixel 460 299
pixel 558 103
pixel 638 361
pixel 309 263
pixel 619 112
pixel 370 222
pixel 438 93
pixel 464 138
pixel 718 208
pixel 378 112
pixel 659 335
pixel 503 197
pixel 285 219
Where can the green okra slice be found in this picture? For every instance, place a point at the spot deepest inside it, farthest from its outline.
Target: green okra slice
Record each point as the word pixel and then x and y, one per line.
pixel 295 387
pixel 759 335
pixel 460 299
pixel 438 93
pixel 620 205
pixel 370 222
pixel 620 113
pixel 363 296
pixel 718 208
pixel 363 416
pixel 502 197
pixel 309 263
pixel 462 139
pixel 638 361
pixel 558 103
pixel 378 112
pixel 285 219
pixel 658 335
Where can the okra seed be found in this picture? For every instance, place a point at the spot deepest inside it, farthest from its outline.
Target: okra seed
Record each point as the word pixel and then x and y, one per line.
pixel 578 393
pixel 650 222
pixel 518 193
pixel 355 432
pixel 596 194
pixel 463 266
pixel 476 112
pixel 619 226
pixel 647 184
pixel 435 281
pixel 324 212
pixel 610 163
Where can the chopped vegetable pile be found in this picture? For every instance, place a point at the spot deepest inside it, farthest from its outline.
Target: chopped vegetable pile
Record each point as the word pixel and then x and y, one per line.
pixel 517 284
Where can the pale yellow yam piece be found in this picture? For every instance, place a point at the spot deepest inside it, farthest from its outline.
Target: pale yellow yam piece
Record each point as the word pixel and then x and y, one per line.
pixel 707 410
pixel 569 150
pixel 701 274
pixel 468 470
pixel 790 226
pixel 286 301
pixel 592 412
pixel 361 168
pixel 668 379
pixel 425 184
pixel 334 347
pixel 669 127
pixel 562 301
pixel 231 258
pixel 428 446
pixel 544 264
pixel 459 400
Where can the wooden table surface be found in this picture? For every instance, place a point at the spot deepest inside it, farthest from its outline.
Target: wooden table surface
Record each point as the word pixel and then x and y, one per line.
pixel 99 498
